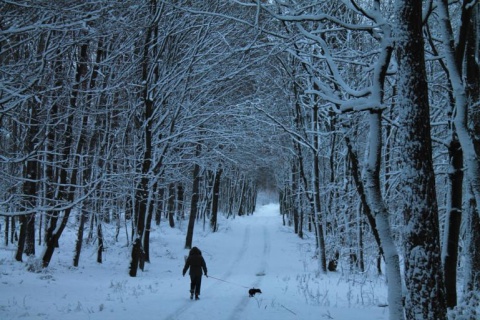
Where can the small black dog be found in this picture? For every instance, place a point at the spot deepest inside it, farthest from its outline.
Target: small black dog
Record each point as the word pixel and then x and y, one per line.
pixel 252 292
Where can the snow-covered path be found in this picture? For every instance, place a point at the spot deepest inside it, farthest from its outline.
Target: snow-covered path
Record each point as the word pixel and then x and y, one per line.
pixel 252 251
pixel 235 265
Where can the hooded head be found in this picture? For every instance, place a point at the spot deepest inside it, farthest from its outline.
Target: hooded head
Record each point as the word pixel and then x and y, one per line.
pixel 195 251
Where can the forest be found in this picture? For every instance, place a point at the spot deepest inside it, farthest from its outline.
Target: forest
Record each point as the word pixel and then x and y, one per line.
pixel 362 115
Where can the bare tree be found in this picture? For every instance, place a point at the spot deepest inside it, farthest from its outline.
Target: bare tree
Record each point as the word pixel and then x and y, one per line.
pixel 461 60
pixel 346 97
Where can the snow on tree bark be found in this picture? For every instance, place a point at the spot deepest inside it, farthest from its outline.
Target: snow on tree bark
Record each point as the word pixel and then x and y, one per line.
pixel 462 57
pixel 425 297
pixel 381 215
pixel 471 269
pixel 454 61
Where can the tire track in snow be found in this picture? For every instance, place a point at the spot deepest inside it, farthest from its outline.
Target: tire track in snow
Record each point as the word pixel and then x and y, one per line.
pixel 243 248
pixel 262 270
pixel 241 253
pixel 266 250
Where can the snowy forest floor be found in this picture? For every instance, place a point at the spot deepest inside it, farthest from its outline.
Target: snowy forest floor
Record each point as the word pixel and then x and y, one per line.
pixel 250 251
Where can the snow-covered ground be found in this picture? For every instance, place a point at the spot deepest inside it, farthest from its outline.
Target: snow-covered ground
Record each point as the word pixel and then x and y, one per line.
pixel 252 251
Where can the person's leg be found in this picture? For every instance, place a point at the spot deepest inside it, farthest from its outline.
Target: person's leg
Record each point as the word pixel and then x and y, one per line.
pixel 192 286
pixel 198 285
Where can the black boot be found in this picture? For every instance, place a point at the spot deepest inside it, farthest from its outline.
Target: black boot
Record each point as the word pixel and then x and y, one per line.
pixel 197 297
pixel 191 294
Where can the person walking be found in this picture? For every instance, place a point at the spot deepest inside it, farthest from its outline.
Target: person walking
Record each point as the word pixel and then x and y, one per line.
pixel 196 264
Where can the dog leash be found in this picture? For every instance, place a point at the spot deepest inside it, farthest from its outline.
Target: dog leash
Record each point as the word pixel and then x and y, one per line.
pixel 228 282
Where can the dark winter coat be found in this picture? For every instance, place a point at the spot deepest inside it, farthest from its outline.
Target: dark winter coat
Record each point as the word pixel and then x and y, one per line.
pixel 195 262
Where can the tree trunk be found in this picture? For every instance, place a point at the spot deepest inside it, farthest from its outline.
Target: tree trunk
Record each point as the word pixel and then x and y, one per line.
pixel 159 211
pixel 13 232
pixel 293 198
pixel 171 205
pixel 471 289
pixel 21 239
pixel 100 240
pixel 136 257
pixel 26 243
pixel 322 256
pixel 360 187
pixel 231 199
pixel 241 201
pixel 361 245
pixel 142 194
pixel 194 202
pixel 146 234
pixel 425 297
pixel 471 297
pixel 180 202
pixel 7 230
pixel 79 241
pixel 381 222
pixel 452 222
pixel 30 235
pixel 465 98
pixel 215 198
